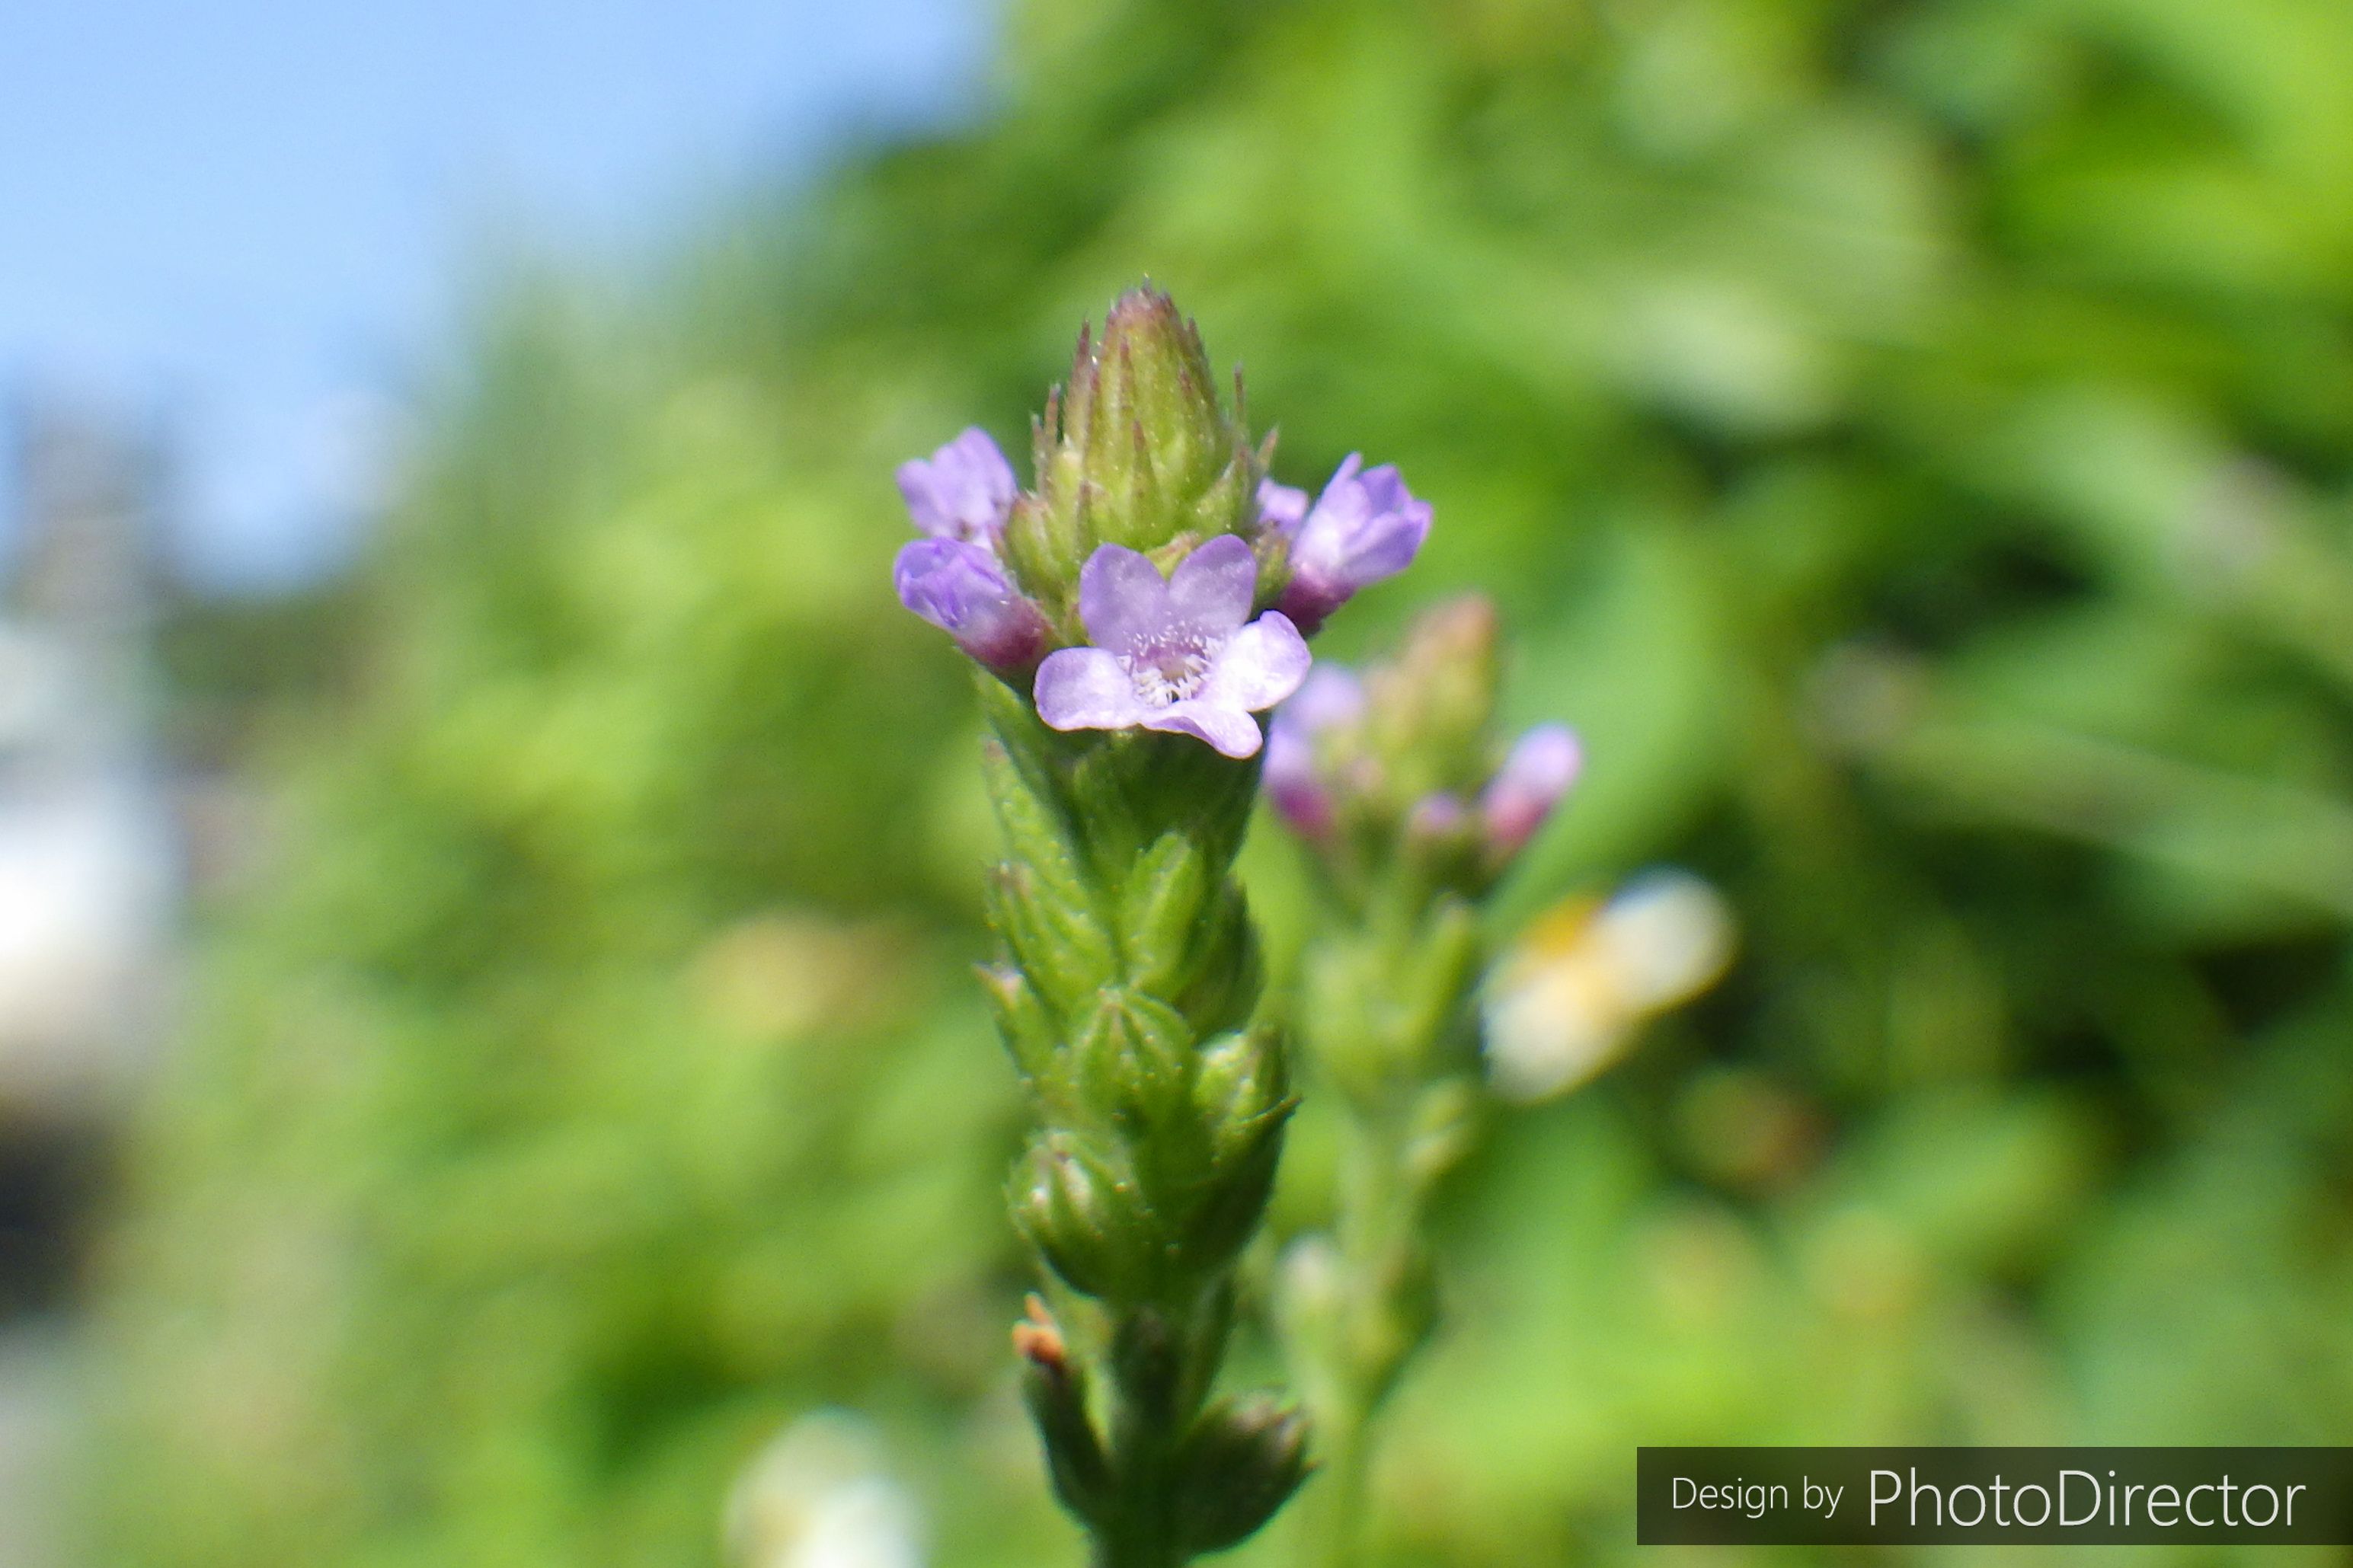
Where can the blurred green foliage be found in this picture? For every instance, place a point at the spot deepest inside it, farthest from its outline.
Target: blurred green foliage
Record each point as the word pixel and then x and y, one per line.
pixel 1913 442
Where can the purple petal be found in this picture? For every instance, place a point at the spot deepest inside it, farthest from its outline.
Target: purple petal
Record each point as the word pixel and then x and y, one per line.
pixel 1331 696
pixel 1211 590
pixel 1086 688
pixel 1280 506
pixel 1392 533
pixel 1362 530
pixel 1261 664
pixel 1231 731
pixel 1343 507
pixel 962 491
pixel 1364 527
pixel 944 581
pixel 960 589
pixel 1542 766
pixel 1122 600
pixel 1290 777
pixel 1384 490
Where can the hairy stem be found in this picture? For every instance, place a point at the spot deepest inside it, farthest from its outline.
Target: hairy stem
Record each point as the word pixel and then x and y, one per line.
pixel 1163 1363
pixel 1382 1323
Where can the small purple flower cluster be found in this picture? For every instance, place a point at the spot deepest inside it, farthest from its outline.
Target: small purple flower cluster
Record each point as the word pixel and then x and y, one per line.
pixel 1179 652
pixel 953 576
pixel 1309 780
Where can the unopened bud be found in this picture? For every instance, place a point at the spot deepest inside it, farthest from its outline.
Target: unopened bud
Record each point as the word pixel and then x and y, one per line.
pixel 1431 704
pixel 1071 1207
pixel 1240 1463
pixel 1137 450
pixel 1240 1079
pixel 1055 1392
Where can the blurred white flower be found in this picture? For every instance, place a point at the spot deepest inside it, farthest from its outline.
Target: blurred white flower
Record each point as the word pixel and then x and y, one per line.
pixel 1567 998
pixel 817 1497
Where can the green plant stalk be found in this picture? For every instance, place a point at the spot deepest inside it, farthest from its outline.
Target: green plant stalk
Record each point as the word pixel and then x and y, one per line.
pixel 1379 1252
pixel 1162 1372
pixel 1128 979
pixel 1388 1018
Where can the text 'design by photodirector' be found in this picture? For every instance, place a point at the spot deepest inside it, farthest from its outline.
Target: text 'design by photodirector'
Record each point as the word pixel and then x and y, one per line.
pixel 1829 1496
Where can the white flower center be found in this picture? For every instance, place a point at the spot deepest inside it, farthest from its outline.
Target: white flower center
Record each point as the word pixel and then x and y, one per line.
pixel 1172 669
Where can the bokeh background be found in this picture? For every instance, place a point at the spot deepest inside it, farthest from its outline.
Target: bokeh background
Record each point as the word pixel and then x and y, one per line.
pixel 521 1059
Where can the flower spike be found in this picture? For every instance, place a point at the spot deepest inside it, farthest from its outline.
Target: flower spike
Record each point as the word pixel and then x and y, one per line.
pixel 1134 605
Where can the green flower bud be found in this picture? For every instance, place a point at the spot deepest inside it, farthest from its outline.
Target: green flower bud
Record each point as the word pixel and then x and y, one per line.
pixel 1241 1462
pixel 1161 906
pixel 1428 710
pixel 1441 1130
pixel 1230 1200
pixel 1081 1215
pixel 1241 1081
pixel 1137 450
pixel 1428 997
pixel 1054 1385
pixel 1343 1008
pixel 1129 1055
pixel 1065 955
pixel 1023 1021
pixel 1220 984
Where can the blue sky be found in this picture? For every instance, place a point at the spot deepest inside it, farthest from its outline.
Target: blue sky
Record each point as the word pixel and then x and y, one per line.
pixel 254 214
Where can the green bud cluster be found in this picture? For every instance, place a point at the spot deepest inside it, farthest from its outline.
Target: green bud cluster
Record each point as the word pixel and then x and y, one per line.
pixel 1431 712
pixel 1426 738
pixel 1131 971
pixel 1138 449
pixel 1125 992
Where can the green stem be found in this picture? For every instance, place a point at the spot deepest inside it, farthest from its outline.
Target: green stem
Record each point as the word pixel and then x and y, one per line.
pixel 1336 1505
pixel 1384 1320
pixel 1133 1552
pixel 1161 1363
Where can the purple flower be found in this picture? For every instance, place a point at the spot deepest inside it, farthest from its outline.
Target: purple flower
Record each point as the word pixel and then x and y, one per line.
pixel 1280 507
pixel 962 590
pixel 963 491
pixel 1173 653
pixel 1542 766
pixel 1365 526
pixel 1332 696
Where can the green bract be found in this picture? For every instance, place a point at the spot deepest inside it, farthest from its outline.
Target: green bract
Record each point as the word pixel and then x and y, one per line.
pixel 1137 450
pixel 1130 972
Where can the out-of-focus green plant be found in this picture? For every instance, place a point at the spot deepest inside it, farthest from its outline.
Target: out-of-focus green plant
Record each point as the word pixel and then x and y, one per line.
pixel 1412 810
pixel 1913 442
